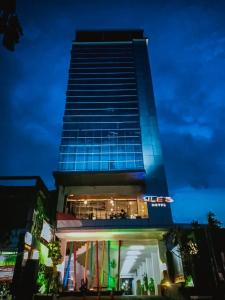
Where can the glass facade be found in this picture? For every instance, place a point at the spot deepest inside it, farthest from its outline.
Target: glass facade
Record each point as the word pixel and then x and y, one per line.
pixel 103 207
pixel 110 124
pixel 101 126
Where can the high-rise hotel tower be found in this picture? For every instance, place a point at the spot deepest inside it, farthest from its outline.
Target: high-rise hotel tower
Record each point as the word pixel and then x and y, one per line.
pixel 111 178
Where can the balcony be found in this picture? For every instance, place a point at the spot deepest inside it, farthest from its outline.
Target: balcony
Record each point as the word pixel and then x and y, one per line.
pixel 103 212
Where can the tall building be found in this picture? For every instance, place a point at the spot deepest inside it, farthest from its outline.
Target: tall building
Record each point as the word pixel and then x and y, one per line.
pixel 111 181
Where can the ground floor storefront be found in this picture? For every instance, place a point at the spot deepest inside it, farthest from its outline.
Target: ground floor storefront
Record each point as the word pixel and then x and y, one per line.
pixel 132 261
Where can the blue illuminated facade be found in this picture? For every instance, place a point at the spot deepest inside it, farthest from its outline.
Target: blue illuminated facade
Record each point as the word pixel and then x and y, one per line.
pixel 112 189
pixel 110 124
pixel 101 129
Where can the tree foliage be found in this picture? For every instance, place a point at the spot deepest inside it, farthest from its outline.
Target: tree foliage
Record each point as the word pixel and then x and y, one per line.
pixel 55 252
pixel 182 243
pixel 212 221
pixel 10 26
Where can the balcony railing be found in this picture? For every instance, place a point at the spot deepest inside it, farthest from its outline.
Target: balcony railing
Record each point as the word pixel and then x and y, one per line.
pixel 68 221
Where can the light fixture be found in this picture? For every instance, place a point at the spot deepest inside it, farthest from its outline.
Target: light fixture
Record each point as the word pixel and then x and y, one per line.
pixel 167 283
pixel 85 202
pixel 133 252
pixel 138 247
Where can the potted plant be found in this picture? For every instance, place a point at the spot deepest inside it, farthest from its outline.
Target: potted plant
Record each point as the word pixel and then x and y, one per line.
pixel 145 281
pixel 151 286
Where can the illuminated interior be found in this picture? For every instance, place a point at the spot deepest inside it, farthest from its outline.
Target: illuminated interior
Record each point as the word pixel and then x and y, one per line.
pixel 7 265
pixel 113 265
pixel 103 207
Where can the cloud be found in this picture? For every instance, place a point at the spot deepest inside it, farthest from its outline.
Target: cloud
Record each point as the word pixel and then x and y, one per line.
pixel 186 47
pixel 194 204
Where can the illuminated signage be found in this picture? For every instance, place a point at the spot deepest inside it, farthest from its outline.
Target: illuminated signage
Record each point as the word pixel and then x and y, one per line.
pixel 28 238
pixel 35 254
pixel 7 258
pixel 157 201
pixel 6 273
pixel 46 232
pixel 7 264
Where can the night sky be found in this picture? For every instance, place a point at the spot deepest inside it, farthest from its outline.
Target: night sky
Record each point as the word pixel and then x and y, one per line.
pixel 186 48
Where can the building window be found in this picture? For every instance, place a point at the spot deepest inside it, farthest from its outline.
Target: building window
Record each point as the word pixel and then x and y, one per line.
pixel 106 208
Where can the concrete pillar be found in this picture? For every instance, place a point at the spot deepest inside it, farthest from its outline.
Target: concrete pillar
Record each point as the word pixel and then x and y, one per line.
pixel 149 267
pixel 63 247
pixel 61 267
pixel 61 195
pixel 162 251
pixel 155 266
pixel 156 263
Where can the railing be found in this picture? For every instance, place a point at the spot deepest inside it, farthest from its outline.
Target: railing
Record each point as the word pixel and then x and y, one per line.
pixel 101 223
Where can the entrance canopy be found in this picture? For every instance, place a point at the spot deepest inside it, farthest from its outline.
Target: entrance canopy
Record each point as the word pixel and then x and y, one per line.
pixel 122 260
pixel 111 234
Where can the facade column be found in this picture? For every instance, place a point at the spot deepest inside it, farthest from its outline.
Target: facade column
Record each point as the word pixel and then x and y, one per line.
pixel 149 267
pixel 61 267
pixel 97 266
pixel 74 266
pixel 156 266
pixel 63 247
pixel 118 280
pixel 61 196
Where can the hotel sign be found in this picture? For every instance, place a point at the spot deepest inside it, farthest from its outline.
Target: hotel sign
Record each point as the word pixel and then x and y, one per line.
pixel 158 201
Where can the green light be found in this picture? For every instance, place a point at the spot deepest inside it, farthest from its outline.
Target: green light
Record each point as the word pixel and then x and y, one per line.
pixel 111 234
pixel 7 259
pixel 112 282
pixel 189 281
pixel 109 267
pixel 43 254
pixel 42 281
